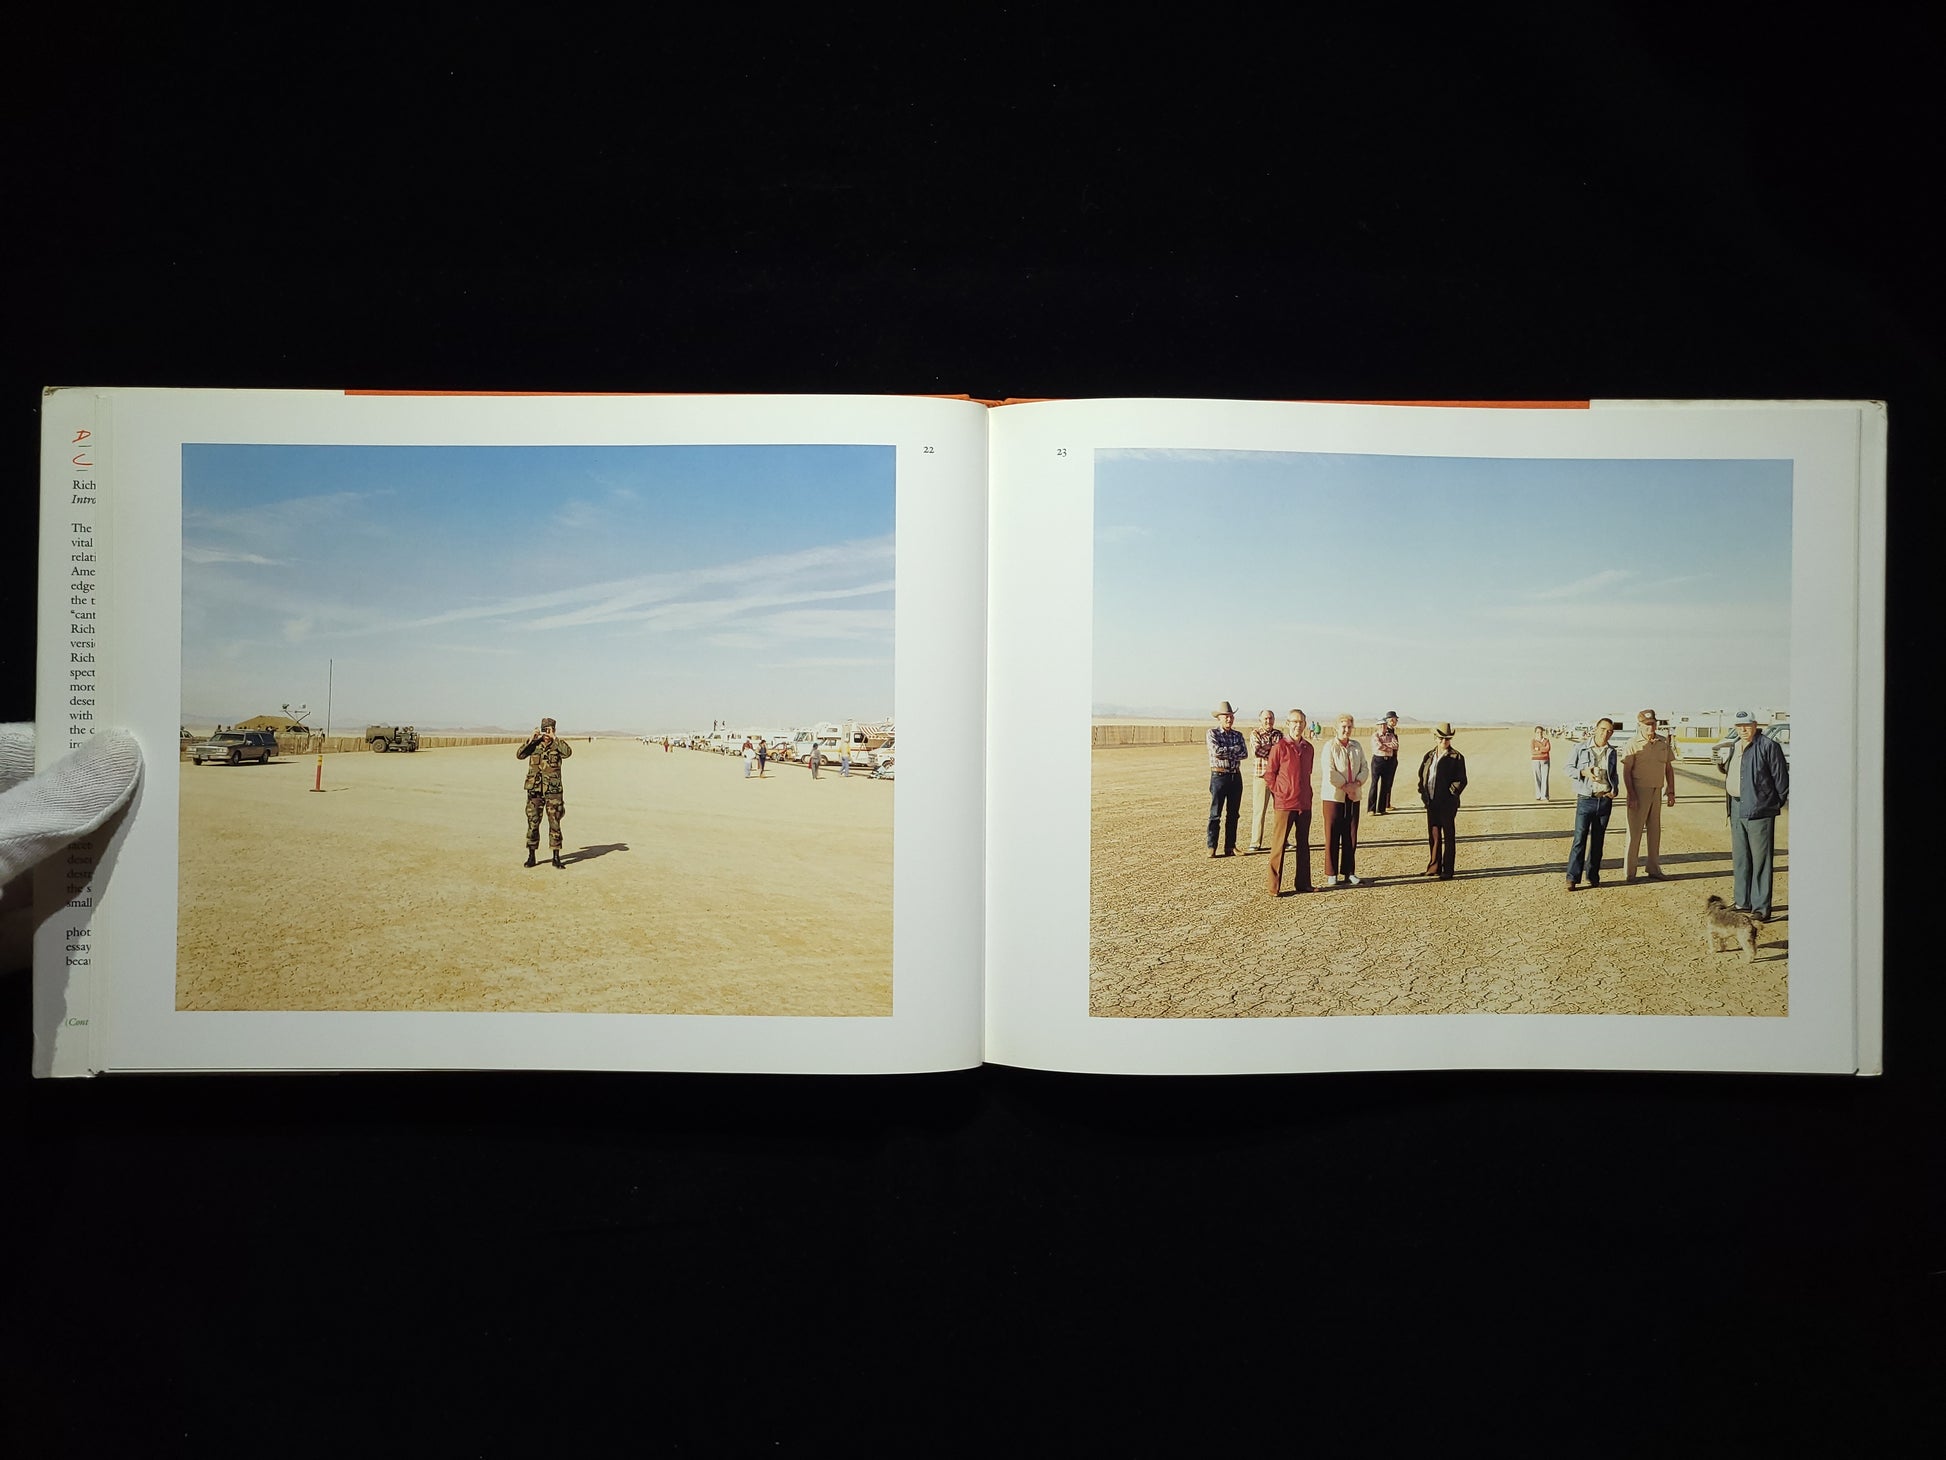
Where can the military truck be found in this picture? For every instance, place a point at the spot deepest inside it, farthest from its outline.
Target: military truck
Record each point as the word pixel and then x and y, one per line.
pixel 391 737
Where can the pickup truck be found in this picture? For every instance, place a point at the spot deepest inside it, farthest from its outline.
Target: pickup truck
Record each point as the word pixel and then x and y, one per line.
pixel 233 747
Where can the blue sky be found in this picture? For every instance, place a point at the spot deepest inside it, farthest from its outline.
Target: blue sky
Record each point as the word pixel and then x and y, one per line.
pixel 631 588
pixel 1444 588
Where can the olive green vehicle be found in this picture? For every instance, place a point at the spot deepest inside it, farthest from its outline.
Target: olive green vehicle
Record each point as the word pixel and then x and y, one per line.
pixel 391 737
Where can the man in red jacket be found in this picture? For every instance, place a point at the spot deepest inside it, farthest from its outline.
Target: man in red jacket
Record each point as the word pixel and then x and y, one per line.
pixel 1288 774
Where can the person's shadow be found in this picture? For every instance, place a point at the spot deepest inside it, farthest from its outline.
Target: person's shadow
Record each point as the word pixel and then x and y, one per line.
pixel 588 854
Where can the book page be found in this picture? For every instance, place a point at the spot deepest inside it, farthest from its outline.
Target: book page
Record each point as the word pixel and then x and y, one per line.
pixel 1336 737
pixel 516 731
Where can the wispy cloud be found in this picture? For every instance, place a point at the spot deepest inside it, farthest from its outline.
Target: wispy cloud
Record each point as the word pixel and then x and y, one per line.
pixel 195 553
pixel 578 516
pixel 279 522
pixel 695 597
pixel 826 663
pixel 1581 587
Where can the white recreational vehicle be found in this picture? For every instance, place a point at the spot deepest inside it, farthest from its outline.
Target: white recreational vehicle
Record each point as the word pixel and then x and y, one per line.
pixel 865 740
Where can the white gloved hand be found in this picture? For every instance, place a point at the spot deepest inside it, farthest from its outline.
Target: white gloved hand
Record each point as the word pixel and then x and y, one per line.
pixel 41 814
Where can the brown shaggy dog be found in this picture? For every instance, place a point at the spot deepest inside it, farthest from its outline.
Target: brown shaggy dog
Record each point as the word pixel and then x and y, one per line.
pixel 1723 926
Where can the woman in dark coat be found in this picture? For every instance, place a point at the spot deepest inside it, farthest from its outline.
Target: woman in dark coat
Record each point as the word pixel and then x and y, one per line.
pixel 1442 777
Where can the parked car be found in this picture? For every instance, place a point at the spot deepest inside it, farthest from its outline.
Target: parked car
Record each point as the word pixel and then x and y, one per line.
pixel 233 747
pixel 1720 752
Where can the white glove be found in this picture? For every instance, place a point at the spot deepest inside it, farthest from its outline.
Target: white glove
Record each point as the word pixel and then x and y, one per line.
pixel 41 814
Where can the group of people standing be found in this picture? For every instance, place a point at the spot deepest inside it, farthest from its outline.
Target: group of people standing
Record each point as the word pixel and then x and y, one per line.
pixel 1283 763
pixel 756 756
pixel 1645 779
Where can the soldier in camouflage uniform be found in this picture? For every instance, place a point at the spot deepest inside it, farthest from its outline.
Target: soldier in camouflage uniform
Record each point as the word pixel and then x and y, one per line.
pixel 544 755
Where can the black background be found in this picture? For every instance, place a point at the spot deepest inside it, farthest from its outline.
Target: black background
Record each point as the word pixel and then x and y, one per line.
pixel 1585 202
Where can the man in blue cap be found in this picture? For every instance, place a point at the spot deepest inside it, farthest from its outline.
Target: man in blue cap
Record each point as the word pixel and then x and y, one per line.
pixel 1757 783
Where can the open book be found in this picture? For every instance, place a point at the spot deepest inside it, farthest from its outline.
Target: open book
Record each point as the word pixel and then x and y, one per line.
pixel 884 734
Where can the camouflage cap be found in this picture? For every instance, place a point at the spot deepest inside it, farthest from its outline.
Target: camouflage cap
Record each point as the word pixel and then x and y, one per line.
pixel 547 723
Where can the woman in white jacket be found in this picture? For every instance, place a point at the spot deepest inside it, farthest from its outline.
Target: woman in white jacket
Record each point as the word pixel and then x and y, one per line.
pixel 1344 776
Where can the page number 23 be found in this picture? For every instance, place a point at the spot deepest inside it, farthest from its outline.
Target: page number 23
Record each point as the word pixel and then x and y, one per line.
pixel 1060 451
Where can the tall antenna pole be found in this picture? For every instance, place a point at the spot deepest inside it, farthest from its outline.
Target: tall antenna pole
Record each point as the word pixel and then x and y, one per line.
pixel 330 668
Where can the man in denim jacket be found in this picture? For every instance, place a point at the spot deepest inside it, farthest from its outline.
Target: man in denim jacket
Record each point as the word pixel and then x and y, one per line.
pixel 1757 783
pixel 1597 772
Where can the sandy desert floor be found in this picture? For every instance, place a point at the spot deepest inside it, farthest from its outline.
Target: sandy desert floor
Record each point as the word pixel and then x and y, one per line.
pixel 687 889
pixel 1174 933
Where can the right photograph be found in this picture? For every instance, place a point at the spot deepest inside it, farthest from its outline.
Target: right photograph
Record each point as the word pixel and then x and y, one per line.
pixel 1439 735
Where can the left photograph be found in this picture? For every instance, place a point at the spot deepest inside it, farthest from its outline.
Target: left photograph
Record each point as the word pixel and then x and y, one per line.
pixel 576 729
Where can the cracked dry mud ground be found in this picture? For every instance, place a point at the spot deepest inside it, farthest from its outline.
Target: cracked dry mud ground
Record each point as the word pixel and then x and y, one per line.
pixel 688 890
pixel 1173 933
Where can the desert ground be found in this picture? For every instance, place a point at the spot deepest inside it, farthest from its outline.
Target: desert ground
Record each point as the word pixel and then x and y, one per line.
pixel 1174 933
pixel 686 890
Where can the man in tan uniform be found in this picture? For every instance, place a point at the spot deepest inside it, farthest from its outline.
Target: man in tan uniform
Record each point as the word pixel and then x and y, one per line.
pixel 1649 774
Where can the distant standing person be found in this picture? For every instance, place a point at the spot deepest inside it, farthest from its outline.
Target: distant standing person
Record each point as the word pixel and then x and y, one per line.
pixel 763 757
pixel 1344 778
pixel 1649 778
pixel 1385 762
pixel 1757 782
pixel 1596 771
pixel 814 760
pixel 1226 753
pixel 1442 779
pixel 1263 740
pixel 749 759
pixel 544 754
pixel 1540 750
pixel 1288 774
pixel 844 765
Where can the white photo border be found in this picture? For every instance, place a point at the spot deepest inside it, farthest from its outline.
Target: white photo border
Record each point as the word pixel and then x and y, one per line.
pixel 1040 647
pixel 940 510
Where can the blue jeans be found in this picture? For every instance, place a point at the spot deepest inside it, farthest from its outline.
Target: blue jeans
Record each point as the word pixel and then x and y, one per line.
pixel 1225 805
pixel 1751 845
pixel 1591 815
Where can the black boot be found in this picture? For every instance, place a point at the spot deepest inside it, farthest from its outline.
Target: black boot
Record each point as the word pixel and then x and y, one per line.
pixel 557 856
pixel 530 858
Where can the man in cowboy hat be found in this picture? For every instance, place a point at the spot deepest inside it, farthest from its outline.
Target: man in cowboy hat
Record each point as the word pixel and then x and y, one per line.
pixel 1442 778
pixel 1226 753
pixel 1757 781
pixel 1385 763
pixel 1649 777
pixel 544 755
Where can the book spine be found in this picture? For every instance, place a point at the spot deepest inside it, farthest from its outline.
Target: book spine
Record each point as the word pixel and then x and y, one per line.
pixel 73 699
pixel 1868 856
